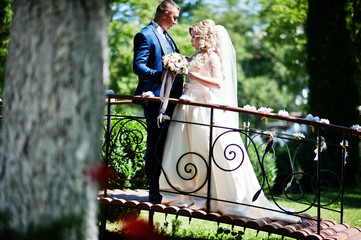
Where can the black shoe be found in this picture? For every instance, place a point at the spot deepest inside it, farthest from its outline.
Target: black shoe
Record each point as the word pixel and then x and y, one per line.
pixel 155 197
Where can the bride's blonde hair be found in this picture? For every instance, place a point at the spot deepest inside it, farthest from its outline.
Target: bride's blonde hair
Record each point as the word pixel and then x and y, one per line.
pixel 206 33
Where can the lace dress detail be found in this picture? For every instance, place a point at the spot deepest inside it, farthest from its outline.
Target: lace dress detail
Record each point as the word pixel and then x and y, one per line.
pixel 195 91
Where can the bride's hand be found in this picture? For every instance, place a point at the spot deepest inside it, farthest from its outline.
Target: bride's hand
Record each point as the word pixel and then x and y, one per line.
pixel 206 81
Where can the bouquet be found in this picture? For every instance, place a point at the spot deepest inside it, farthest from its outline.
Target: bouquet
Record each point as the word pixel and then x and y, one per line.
pixel 176 63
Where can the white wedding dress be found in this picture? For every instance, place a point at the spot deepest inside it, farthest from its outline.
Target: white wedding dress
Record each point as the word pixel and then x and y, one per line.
pixel 186 158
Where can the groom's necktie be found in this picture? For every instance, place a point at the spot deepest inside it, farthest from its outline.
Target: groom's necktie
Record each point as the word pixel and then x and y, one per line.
pixel 169 40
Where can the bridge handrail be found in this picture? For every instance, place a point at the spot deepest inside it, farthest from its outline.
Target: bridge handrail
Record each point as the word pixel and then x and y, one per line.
pixel 276 116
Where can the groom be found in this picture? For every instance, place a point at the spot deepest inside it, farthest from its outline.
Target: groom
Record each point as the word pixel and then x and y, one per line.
pixel 150 44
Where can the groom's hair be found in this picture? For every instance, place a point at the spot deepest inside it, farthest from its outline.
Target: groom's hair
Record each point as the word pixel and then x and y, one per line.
pixel 166 5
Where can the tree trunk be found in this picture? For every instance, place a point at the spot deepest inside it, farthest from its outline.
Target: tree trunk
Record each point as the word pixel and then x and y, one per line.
pixel 53 106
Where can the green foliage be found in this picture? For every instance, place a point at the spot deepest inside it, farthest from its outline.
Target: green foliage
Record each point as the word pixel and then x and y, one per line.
pixel 128 17
pixel 5 20
pixel 175 226
pixel 225 233
pixel 127 150
pixel 269 163
pixel 284 168
pixel 269 93
pixel 122 78
pixel 176 231
pixel 196 11
pixel 136 11
pixel 285 39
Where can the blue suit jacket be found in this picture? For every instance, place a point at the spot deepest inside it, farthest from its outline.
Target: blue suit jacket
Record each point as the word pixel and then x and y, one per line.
pixel 149 47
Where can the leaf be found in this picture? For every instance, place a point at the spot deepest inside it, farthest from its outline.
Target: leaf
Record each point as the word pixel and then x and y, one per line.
pixel 256 195
pixel 269 146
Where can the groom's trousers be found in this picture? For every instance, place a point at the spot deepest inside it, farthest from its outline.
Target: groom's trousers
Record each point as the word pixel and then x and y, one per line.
pixel 157 136
pixel 155 145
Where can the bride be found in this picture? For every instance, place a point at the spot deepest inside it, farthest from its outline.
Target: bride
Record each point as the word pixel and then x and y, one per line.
pixel 184 180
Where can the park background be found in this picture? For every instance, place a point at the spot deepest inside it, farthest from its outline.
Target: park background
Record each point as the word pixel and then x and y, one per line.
pixel 298 55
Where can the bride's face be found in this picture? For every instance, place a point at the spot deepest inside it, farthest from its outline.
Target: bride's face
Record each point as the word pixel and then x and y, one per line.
pixel 194 40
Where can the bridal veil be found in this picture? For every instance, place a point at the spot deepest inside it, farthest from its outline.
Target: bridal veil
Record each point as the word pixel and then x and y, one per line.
pixel 228 91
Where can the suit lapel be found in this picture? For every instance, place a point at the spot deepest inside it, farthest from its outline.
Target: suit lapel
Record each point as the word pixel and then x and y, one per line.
pixel 160 39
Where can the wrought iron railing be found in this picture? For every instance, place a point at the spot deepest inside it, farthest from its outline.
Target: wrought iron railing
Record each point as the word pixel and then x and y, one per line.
pixel 307 188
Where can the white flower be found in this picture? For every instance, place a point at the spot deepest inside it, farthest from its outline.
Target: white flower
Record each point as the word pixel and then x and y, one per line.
pixel 283 113
pixel 249 107
pixel 299 135
pixel 356 127
pixel 271 134
pixel 148 94
pixel 246 124
pixel 312 118
pixel 265 110
pixel 344 143
pixel 323 120
pixel 322 146
pixel 186 98
pixel 309 117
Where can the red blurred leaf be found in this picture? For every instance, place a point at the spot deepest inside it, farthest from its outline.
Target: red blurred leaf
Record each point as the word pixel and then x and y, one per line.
pixel 135 228
pixel 101 173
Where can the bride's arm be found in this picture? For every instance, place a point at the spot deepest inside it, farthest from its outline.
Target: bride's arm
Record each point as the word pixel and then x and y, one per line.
pixel 215 68
pixel 206 81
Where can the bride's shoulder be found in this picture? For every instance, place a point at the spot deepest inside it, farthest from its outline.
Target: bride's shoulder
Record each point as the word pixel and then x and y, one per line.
pixel 213 54
pixel 213 57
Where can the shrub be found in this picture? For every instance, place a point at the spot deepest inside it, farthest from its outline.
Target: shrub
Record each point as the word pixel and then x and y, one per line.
pixel 127 149
pixel 269 163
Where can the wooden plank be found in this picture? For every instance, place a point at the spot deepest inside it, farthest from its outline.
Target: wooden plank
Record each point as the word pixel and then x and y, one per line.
pixel 330 229
pixel 345 234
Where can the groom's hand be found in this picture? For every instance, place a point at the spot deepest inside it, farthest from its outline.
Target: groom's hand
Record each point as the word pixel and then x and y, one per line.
pixel 163 74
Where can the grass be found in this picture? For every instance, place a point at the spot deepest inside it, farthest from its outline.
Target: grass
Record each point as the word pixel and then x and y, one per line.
pixel 352 207
pixel 201 229
pixel 197 228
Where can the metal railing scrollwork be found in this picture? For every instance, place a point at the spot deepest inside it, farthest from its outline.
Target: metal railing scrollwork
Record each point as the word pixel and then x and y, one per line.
pixel 306 187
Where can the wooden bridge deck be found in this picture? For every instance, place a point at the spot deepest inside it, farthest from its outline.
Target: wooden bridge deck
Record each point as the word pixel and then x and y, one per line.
pixel 330 229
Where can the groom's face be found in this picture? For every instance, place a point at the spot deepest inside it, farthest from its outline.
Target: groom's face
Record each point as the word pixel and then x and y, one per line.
pixel 171 18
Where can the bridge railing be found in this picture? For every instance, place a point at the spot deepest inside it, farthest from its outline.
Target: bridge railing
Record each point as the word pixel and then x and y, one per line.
pixel 300 146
